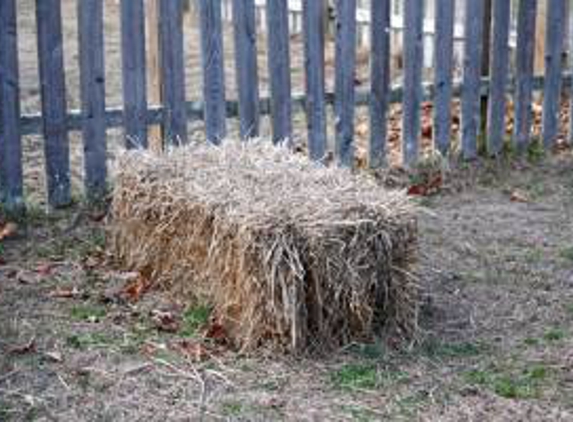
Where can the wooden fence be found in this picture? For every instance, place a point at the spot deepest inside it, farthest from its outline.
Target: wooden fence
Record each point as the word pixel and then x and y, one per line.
pixel 136 116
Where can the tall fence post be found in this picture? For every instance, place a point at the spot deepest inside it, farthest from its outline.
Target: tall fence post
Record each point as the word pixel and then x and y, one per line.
pixel 92 82
pixel 380 81
pixel 315 85
pixel 11 179
pixel 345 80
pixel 413 59
pixel 499 76
pixel 524 63
pixel 554 39
pixel 246 68
pixel 444 53
pixel 212 52
pixel 54 107
pixel 279 69
pixel 173 71
pixel 471 93
pixel 134 72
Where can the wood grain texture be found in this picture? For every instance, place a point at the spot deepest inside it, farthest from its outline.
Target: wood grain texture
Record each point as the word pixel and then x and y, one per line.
pixel 11 178
pixel 54 106
pixel 413 57
pixel 92 91
pixel 471 117
pixel 554 48
pixel 134 72
pixel 313 26
pixel 524 62
pixel 246 69
pixel 279 70
pixel 173 71
pixel 499 76
pixel 444 59
pixel 213 70
pixel 380 81
pixel 345 81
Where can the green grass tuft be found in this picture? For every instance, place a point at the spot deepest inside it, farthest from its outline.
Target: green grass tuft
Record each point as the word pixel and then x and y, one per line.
pixel 194 318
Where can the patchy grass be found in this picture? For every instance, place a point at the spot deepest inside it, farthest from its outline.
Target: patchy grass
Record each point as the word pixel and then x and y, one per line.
pixel 94 340
pixel 567 254
pixel 88 312
pixel 526 384
pixel 449 350
pixel 365 376
pixel 194 318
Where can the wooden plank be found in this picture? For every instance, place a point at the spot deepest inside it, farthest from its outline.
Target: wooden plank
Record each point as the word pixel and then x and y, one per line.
pixel 154 69
pixel 380 81
pixel 524 62
pixel 413 59
pixel 279 69
pixel 54 108
pixel 444 62
pixel 245 32
pixel 213 71
pixel 11 179
pixel 472 76
pixel 313 26
pixel 173 70
pixel 499 76
pixel 92 83
pixel 554 48
pixel 134 72
pixel 345 80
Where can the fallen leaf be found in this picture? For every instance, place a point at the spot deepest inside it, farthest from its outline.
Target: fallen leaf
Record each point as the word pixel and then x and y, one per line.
pixel 65 293
pixel 9 230
pixel 192 349
pixel 23 349
pixel 165 321
pixel 54 356
pixel 137 288
pixel 518 196
pixel 217 333
pixel 45 269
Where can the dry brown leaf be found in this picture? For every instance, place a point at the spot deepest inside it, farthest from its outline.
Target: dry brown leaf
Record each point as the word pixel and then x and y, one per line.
pixel 23 349
pixel 137 288
pixel 165 321
pixel 65 293
pixel 9 230
pixel 519 196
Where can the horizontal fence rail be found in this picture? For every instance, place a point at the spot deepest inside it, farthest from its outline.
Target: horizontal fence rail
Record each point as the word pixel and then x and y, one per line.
pixel 513 46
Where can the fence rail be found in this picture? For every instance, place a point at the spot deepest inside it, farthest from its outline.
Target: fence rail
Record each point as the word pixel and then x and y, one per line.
pixel 55 121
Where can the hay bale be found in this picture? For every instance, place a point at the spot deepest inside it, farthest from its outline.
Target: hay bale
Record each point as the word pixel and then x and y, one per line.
pixel 288 253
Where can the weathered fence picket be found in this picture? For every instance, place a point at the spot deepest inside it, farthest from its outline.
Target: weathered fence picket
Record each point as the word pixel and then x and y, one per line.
pixel 499 76
pixel 345 81
pixel 380 81
pixel 413 56
pixel 173 112
pixel 173 71
pixel 92 83
pixel 279 70
pixel 555 27
pixel 247 74
pixel 444 59
pixel 472 79
pixel 313 17
pixel 134 72
pixel 524 62
pixel 54 105
pixel 11 179
pixel 213 70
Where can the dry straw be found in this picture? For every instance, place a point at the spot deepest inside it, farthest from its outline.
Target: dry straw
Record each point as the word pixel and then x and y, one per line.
pixel 288 253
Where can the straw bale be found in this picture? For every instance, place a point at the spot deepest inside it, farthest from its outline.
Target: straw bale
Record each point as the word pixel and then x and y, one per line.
pixel 287 252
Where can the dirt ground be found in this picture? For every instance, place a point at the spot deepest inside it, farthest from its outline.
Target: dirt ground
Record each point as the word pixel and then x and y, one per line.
pixel 496 343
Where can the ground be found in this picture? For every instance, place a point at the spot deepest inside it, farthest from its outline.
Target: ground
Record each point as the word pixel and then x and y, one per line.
pixel 496 341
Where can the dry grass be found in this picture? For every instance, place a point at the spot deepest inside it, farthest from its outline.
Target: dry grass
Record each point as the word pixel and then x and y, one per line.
pixel 288 252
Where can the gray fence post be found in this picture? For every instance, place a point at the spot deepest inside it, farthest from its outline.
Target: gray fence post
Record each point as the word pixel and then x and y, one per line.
pixel 54 108
pixel 213 70
pixel 345 80
pixel 245 32
pixel 11 179
pixel 380 81
pixel 92 82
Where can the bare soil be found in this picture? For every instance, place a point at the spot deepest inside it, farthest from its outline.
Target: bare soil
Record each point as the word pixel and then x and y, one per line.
pixel 496 341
